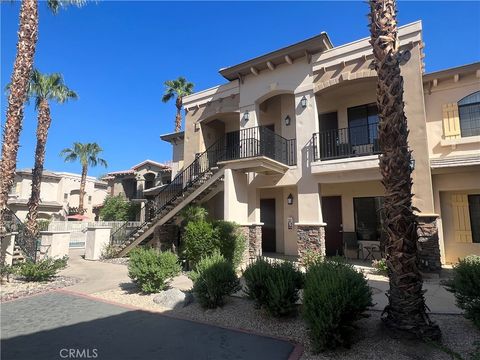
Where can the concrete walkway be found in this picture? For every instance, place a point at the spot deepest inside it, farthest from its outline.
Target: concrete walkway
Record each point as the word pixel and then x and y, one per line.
pixel 95 276
pixel 58 325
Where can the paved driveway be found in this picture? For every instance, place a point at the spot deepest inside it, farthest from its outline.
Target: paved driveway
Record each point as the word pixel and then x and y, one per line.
pixel 58 325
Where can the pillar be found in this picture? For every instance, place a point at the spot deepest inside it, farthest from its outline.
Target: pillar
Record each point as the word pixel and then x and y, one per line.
pixel 97 240
pixel 7 248
pixel 428 244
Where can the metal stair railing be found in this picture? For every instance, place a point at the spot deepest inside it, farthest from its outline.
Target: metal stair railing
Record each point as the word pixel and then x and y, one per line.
pixel 26 243
pixel 182 182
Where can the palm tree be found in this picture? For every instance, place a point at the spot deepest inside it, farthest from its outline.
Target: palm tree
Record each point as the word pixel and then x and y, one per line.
pixel 406 310
pixel 87 154
pixel 179 88
pixel 22 68
pixel 43 88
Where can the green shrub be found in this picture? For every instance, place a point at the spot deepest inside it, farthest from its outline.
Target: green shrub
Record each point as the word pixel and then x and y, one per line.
pixel 213 279
pixel 273 286
pixel 193 213
pixel 465 285
pixel 199 239
pixel 335 296
pixel 42 270
pixel 109 251
pixel 311 257
pixel 380 266
pixel 151 269
pixel 118 208
pixel 232 244
pixel 6 271
pixel 282 287
pixel 255 276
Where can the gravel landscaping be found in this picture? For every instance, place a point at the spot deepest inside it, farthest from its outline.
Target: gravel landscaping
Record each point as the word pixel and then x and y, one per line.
pixel 119 261
pixel 17 288
pixel 372 340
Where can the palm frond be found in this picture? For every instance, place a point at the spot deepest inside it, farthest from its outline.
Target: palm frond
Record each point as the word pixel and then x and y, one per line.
pixel 56 5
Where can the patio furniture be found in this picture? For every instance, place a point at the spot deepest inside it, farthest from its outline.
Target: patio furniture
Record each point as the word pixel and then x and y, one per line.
pixel 350 242
pixel 369 248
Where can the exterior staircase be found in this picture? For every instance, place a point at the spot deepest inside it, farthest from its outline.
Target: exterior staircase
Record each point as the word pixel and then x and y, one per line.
pixel 24 248
pixel 207 185
pixel 197 182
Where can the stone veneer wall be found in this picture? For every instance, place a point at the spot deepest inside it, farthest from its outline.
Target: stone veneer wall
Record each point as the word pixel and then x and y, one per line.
pixel 253 235
pixel 428 244
pixel 310 238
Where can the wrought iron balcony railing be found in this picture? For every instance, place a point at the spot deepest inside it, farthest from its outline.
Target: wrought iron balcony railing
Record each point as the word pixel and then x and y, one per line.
pixel 346 142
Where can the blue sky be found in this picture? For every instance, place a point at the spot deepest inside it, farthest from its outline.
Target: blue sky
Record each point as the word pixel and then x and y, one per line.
pixel 117 55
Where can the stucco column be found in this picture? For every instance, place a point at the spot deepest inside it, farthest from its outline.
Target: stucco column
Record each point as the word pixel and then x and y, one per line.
pixel 235 196
pixel 428 244
pixel 54 244
pixel 310 226
pixel 97 239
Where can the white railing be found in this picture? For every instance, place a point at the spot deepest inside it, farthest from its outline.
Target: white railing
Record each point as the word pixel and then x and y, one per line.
pixel 78 229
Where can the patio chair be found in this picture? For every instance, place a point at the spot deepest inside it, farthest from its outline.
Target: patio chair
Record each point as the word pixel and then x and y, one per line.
pixel 350 242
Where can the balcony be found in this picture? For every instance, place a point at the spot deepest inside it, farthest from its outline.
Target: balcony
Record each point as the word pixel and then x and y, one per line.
pixel 346 143
pixel 257 149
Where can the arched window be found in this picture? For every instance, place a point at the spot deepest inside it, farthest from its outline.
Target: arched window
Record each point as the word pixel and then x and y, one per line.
pixel 469 113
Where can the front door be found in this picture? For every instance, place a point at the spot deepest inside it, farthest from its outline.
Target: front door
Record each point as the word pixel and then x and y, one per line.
pixel 267 217
pixel 332 215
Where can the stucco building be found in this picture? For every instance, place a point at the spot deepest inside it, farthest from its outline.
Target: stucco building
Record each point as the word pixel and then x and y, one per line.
pixel 290 145
pixel 59 195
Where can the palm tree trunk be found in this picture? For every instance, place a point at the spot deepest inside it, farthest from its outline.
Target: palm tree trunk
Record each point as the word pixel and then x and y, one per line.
pixel 43 125
pixel 83 181
pixel 27 40
pixel 178 117
pixel 406 310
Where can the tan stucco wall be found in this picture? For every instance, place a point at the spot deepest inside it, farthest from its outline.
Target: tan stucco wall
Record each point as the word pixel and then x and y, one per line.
pixel 348 192
pixel 54 189
pixel 447 91
pixel 452 181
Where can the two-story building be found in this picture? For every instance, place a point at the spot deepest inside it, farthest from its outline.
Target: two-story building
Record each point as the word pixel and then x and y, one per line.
pixel 292 136
pixel 59 195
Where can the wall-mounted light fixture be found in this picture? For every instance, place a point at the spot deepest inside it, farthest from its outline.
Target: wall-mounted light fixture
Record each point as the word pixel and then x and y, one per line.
pixel 303 101
pixel 290 199
pixel 288 120
pixel 246 116
pixel 412 164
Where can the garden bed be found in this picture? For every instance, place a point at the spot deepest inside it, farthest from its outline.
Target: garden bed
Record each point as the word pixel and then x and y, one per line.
pixel 371 342
pixel 17 288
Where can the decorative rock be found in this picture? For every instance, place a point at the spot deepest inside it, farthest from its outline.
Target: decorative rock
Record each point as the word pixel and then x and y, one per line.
pixel 173 298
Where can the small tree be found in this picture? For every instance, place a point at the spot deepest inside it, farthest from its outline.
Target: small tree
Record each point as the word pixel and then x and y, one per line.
pixel 117 208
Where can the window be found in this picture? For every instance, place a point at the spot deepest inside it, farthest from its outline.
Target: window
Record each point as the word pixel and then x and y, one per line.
pixel 474 210
pixel 469 113
pixel 368 217
pixel 362 124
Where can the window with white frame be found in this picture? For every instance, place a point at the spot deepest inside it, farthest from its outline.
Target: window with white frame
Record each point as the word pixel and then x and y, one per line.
pixel 469 114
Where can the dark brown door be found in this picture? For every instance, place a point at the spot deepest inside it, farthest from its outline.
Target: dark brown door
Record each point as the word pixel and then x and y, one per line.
pixel 332 215
pixel 267 217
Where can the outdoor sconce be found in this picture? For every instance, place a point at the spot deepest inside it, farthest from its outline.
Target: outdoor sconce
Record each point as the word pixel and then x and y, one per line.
pixel 246 116
pixel 303 101
pixel 290 199
pixel 412 164
pixel 288 120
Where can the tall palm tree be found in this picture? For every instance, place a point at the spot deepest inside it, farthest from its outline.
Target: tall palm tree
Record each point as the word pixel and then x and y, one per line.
pixel 179 88
pixel 43 88
pixel 87 154
pixel 406 309
pixel 22 68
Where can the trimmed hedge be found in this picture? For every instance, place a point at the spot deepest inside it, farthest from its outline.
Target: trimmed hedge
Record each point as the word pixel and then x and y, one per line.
pixel 335 296
pixel 213 279
pixel 273 286
pixel 151 269
pixel 465 285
